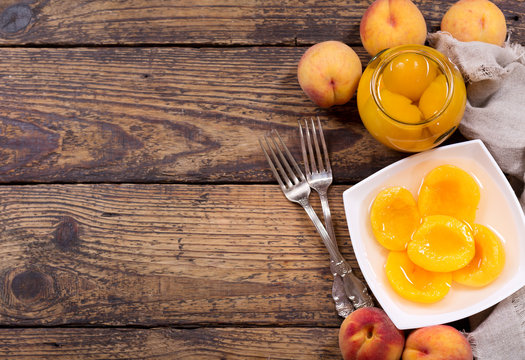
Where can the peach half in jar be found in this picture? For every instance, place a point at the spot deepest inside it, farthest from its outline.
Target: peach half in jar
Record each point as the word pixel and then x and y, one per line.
pixel 409 75
pixel 441 244
pixel 434 97
pixel 400 106
pixel 394 217
pixel 414 283
pixel 449 190
pixel 488 261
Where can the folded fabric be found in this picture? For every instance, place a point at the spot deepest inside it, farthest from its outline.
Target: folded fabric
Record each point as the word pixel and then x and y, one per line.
pixel 502 334
pixel 495 113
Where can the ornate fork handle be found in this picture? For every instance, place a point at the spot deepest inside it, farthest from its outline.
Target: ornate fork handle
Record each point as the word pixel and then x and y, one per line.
pixel 352 286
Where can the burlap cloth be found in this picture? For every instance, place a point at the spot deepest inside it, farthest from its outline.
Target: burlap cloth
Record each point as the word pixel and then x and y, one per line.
pixel 495 113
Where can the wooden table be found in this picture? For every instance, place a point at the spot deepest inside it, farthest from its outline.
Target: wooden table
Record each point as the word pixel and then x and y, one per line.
pixel 138 216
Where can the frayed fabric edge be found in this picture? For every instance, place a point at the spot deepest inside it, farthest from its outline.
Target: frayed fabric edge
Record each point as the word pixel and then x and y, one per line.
pixel 447 44
pixel 518 304
pixel 516 48
pixel 473 344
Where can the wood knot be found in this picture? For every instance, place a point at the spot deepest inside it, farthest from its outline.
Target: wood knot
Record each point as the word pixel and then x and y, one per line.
pixel 66 234
pixel 35 292
pixel 32 286
pixel 15 18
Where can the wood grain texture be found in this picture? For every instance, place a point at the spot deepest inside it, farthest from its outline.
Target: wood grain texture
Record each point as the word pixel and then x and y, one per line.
pixel 166 343
pixel 222 22
pixel 177 255
pixel 163 115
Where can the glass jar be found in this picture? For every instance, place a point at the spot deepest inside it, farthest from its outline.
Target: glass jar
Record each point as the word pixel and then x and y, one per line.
pixel 411 97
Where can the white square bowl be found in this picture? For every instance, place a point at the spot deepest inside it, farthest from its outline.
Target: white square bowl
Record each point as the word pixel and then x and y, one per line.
pixel 498 208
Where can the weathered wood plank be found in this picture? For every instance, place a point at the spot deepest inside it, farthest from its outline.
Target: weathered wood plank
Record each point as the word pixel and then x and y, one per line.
pixel 163 114
pixel 223 22
pixel 152 255
pixel 166 343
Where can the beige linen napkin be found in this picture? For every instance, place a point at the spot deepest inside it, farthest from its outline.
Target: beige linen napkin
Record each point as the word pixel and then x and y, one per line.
pixel 495 113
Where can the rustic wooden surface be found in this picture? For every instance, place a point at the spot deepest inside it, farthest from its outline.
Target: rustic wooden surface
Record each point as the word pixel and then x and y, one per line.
pixel 151 255
pixel 138 217
pixel 169 343
pixel 202 22
pixel 162 114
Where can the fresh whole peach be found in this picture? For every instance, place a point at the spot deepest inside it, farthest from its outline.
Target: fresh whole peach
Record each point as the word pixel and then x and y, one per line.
pixel 437 342
pixel 369 334
pixel 329 72
pixel 475 20
pixel 388 23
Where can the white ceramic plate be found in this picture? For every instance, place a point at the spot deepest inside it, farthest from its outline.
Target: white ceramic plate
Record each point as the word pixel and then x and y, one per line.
pixel 498 209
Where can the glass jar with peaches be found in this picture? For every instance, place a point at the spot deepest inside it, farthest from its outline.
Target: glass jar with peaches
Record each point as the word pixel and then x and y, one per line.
pixel 411 97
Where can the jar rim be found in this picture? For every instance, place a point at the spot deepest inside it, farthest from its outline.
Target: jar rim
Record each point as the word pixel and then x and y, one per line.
pixel 425 51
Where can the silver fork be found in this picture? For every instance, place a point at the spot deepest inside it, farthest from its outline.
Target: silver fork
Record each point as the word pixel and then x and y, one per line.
pixel 319 176
pixel 295 187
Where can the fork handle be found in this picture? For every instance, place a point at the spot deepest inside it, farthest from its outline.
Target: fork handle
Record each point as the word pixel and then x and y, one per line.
pixel 335 255
pixel 354 288
pixel 323 196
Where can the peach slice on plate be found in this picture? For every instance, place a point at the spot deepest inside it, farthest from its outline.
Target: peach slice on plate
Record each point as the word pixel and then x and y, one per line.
pixel 442 243
pixel 488 261
pixel 449 190
pixel 413 282
pixel 394 217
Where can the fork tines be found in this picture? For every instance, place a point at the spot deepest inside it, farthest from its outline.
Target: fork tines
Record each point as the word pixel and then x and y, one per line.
pixel 280 162
pixel 313 163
